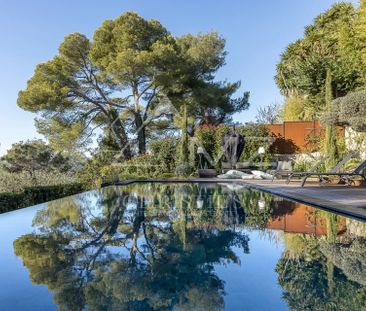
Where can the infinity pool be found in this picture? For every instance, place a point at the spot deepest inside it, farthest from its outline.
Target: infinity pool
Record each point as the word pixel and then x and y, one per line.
pixel 151 246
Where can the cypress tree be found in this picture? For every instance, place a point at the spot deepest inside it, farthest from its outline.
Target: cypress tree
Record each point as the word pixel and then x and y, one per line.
pixel 330 146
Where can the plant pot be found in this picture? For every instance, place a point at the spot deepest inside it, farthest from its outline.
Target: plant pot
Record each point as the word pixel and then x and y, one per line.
pixel 358 183
pixel 207 173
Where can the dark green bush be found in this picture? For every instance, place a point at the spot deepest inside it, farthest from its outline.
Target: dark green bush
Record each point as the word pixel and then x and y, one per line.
pixel 256 135
pixel 36 195
pixel 159 163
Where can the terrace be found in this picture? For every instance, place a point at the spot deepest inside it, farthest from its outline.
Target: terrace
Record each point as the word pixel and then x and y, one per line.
pixel 149 183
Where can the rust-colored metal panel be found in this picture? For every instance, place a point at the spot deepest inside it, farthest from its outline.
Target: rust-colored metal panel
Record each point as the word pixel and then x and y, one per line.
pixel 297 136
pixel 304 219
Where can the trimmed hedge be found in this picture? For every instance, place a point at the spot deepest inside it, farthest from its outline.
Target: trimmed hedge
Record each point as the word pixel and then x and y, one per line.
pixel 36 195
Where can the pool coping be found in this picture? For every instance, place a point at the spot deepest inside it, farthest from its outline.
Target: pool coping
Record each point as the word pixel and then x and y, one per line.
pixel 338 208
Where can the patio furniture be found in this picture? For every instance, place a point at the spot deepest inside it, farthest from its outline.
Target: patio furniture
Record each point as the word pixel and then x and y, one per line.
pixel 207 173
pixel 284 169
pixel 313 169
pixel 225 166
pixel 345 176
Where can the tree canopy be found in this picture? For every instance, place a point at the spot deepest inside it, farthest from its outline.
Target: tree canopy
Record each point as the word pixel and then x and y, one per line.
pixel 330 43
pixel 120 81
pixel 34 155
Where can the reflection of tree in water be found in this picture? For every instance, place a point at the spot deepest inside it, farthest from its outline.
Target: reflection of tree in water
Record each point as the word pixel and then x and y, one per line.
pixel 324 272
pixel 349 256
pixel 129 250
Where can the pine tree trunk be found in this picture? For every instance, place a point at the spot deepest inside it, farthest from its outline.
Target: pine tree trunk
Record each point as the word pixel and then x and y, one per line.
pixel 120 135
pixel 141 133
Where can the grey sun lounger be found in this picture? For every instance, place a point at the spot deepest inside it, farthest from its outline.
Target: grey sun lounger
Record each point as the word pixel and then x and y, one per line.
pixel 312 169
pixel 344 176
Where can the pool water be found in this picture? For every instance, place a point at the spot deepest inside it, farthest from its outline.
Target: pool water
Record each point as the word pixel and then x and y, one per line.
pixel 163 246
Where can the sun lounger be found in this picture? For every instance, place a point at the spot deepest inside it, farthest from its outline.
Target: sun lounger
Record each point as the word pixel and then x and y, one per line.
pixel 284 168
pixel 312 170
pixel 345 176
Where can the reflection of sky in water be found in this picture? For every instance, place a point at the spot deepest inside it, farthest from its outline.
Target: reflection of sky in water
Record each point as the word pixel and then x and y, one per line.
pixel 186 224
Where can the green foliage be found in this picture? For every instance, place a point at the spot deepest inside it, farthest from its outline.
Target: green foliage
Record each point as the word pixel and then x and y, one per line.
pixel 213 102
pixel 17 182
pixel 73 97
pixel 159 163
pixel 164 152
pixel 207 135
pixel 207 102
pixel 35 195
pixel 125 81
pixel 303 165
pixel 329 43
pixel 294 108
pixel 256 135
pixel 34 155
pixel 349 110
pixel 360 34
pixel 330 139
pixel 142 58
pixel 184 150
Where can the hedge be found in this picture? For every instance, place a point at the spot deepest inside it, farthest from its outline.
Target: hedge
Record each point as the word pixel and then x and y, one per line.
pixel 36 195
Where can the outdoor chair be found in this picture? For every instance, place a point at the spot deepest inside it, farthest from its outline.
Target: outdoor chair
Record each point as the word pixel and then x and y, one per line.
pixel 226 166
pixel 313 169
pixel 344 176
pixel 284 169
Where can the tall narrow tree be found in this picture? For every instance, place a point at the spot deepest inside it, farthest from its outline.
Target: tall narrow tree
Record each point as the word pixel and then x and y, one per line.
pixel 330 143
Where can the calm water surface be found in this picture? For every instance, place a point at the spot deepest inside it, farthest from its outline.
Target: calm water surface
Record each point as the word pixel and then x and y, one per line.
pixel 180 247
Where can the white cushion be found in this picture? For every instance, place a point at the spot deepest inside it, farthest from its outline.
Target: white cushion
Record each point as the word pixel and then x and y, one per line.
pixel 248 176
pixel 262 174
pixel 227 176
pixel 284 165
pixel 235 173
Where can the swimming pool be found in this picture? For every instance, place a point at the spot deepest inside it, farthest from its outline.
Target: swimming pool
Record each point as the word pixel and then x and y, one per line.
pixel 164 246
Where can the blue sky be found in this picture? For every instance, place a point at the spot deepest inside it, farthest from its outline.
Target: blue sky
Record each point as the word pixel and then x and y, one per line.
pixel 256 33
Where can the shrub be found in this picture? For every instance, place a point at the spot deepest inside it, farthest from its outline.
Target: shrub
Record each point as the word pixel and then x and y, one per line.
pixel 36 195
pixel 164 152
pixel 184 169
pixel 159 163
pixel 18 182
pixel 349 110
pixel 208 137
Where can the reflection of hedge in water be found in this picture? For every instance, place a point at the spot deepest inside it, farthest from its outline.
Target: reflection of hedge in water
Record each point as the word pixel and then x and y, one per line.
pixel 304 246
pixel 256 217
